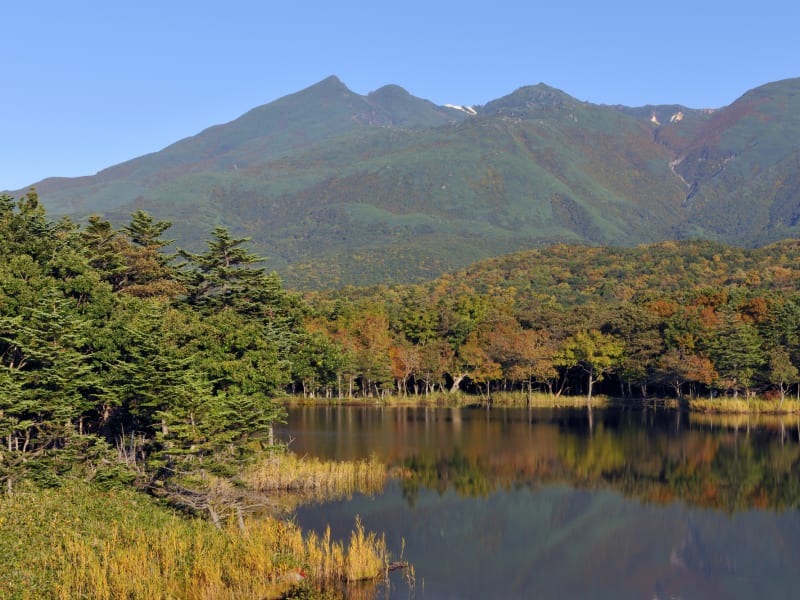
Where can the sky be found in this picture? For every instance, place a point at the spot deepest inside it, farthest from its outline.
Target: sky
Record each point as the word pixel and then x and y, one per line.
pixel 89 84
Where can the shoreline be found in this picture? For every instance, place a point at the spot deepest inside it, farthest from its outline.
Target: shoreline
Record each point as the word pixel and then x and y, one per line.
pixel 83 539
pixel 695 406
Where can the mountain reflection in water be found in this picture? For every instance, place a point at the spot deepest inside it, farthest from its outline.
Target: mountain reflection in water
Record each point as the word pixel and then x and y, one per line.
pixel 553 504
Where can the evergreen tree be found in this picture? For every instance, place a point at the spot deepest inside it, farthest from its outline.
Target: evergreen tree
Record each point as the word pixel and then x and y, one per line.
pixel 149 273
pixel 736 348
pixel 104 250
pixel 223 275
pixel 145 231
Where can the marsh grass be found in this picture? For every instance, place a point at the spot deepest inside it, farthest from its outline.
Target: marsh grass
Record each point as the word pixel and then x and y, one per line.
pixel 544 400
pixel 81 542
pixel 364 558
pixel 744 406
pixel 289 480
pixel 462 400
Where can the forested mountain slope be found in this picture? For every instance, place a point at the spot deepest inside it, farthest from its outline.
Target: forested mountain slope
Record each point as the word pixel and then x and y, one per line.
pixel 339 188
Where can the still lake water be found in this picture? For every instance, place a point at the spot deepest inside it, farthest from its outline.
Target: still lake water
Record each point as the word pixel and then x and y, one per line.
pixel 517 503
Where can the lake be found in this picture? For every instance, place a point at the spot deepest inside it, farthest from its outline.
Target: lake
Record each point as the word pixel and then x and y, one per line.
pixel 546 503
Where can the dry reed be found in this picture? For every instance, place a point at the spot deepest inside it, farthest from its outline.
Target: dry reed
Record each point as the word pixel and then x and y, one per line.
pixel 744 406
pixel 285 473
pixel 79 542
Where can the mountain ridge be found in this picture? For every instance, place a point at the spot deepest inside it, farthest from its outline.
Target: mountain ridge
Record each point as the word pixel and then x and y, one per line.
pixel 342 188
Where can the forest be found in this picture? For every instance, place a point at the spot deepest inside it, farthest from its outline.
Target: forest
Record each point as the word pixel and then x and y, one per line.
pixel 679 320
pixel 129 361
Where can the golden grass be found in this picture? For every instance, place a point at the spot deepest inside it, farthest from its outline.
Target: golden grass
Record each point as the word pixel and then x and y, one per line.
pixel 290 480
pixel 79 542
pixel 744 406
pixel 543 400
pixel 263 562
pixel 366 556
pixel 460 399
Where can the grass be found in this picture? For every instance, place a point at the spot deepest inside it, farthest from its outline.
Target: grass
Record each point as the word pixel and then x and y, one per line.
pixel 539 399
pixel 744 406
pixel 519 399
pixel 82 542
pixel 462 400
pixel 291 480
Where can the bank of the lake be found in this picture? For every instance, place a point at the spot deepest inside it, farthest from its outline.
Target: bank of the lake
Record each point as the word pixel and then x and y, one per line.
pixel 718 405
pixel 743 406
pixel 79 540
pixel 460 400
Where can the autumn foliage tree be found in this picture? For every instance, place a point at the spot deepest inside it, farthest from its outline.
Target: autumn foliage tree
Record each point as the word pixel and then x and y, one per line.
pixel 595 353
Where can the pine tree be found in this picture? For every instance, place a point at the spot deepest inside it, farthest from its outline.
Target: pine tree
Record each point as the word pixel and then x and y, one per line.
pixel 149 272
pixel 145 231
pixel 223 275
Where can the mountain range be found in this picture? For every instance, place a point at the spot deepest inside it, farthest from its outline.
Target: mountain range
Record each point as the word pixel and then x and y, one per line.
pixel 339 188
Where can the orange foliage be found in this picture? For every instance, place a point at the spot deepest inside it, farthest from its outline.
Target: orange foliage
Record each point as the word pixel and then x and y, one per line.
pixel 757 310
pixel 664 308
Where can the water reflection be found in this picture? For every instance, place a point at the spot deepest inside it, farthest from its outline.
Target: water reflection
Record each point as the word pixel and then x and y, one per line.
pixel 715 462
pixel 543 504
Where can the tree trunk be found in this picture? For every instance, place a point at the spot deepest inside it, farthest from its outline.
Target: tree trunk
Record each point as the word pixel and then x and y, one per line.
pixel 240 518
pixel 214 516
pixel 561 387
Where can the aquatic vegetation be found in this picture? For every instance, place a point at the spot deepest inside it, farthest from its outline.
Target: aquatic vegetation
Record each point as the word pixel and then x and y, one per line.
pixel 80 542
pixel 289 480
pixel 756 405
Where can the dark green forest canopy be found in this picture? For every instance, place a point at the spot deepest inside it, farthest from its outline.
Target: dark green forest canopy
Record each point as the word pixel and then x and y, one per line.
pixel 116 362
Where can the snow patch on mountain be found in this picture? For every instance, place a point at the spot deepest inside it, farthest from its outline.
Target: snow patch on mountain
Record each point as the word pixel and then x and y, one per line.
pixel 467 109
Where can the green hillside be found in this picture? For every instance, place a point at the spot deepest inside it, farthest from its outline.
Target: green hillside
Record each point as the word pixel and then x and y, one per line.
pixel 322 111
pixel 339 188
pixel 743 167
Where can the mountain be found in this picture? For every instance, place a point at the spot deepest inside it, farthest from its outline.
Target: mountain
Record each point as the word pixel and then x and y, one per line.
pixel 339 188
pixel 742 167
pixel 320 112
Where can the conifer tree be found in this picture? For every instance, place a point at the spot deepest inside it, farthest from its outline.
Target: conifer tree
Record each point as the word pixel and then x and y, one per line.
pixel 103 248
pixel 149 272
pixel 223 275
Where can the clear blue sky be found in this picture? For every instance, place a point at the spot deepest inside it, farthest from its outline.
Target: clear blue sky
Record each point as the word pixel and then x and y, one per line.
pixel 88 84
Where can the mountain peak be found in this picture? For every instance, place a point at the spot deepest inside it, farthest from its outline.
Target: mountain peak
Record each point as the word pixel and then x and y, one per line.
pixel 340 187
pixel 403 109
pixel 390 92
pixel 532 98
pixel 330 84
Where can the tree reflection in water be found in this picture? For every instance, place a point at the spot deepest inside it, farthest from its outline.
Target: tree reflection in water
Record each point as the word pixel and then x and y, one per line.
pixel 728 463
pixel 536 503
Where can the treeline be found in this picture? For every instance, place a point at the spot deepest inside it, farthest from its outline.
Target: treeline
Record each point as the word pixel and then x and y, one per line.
pixel 130 362
pixel 121 362
pixel 671 319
